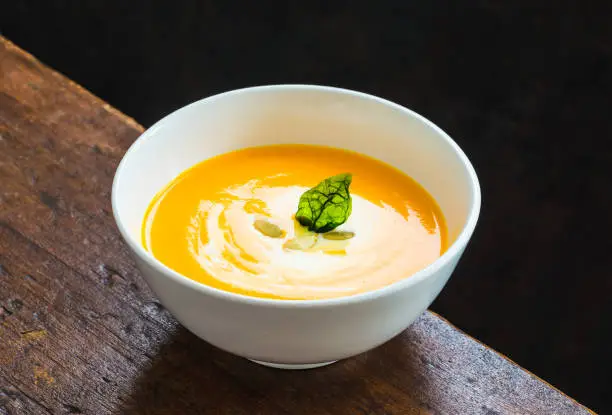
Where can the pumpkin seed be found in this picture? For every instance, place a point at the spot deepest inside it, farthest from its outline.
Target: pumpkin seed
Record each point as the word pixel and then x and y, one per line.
pixel 268 228
pixel 301 242
pixel 338 235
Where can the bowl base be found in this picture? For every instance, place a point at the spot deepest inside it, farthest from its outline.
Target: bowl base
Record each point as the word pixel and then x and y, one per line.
pixel 292 366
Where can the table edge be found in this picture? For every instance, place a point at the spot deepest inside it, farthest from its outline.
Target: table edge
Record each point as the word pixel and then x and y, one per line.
pixel 108 107
pixel 512 362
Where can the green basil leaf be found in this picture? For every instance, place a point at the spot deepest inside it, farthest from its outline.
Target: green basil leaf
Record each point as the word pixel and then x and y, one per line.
pixel 327 205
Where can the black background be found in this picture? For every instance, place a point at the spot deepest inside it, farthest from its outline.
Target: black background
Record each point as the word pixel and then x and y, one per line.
pixel 524 87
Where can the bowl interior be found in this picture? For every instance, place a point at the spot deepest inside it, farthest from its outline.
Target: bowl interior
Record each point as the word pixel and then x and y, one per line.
pixel 295 114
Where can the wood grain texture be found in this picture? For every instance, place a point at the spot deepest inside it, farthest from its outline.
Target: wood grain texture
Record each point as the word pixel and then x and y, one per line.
pixel 80 332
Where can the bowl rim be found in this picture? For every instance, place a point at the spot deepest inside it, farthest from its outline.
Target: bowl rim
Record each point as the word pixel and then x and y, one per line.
pixel 453 250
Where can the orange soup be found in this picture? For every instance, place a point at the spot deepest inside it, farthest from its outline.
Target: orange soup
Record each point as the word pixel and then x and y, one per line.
pixel 232 222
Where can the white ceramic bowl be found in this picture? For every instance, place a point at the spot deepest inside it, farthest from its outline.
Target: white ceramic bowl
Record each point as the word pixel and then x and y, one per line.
pixel 293 333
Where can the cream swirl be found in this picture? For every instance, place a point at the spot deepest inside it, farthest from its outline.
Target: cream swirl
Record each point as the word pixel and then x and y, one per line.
pixel 388 245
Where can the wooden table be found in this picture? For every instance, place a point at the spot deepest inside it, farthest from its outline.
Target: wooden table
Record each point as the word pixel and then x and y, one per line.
pixel 80 332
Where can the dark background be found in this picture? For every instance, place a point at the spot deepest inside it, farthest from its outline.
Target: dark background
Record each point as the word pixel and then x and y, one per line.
pixel 524 87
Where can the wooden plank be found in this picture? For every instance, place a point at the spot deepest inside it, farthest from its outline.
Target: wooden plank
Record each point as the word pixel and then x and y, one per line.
pixel 81 332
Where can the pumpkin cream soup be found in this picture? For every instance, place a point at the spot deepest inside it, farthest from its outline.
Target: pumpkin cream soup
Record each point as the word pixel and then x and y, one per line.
pixel 294 222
